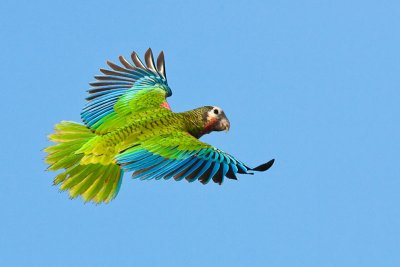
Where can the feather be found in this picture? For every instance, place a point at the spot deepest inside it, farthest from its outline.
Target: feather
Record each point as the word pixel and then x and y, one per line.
pixel 205 167
pixel 136 60
pixel 110 83
pixel 118 68
pixel 231 174
pixel 161 64
pixel 126 63
pixel 118 88
pixel 114 78
pixel 206 177
pixel 148 57
pixel 265 166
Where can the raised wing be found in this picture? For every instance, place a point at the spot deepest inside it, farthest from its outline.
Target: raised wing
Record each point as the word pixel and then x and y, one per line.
pixel 180 155
pixel 125 90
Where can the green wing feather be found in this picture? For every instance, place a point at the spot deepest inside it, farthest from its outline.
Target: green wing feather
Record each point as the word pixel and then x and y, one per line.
pixel 180 155
pixel 132 94
pixel 124 91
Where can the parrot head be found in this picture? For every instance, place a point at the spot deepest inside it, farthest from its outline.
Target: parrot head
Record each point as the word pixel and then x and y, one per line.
pixel 215 119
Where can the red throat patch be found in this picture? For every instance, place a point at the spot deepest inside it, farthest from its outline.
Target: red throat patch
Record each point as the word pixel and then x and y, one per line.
pixel 209 125
pixel 165 105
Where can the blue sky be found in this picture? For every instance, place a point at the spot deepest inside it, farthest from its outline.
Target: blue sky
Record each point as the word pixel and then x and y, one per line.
pixel 314 84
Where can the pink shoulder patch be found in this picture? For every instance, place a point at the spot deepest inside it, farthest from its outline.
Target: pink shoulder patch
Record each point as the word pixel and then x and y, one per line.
pixel 165 105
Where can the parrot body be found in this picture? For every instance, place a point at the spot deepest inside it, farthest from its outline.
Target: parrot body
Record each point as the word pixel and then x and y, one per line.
pixel 129 126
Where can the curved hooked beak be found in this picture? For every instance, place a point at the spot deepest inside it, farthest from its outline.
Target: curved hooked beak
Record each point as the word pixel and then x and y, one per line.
pixel 225 124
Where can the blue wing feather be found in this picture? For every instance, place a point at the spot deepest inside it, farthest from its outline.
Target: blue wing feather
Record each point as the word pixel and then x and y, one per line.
pixel 118 82
pixel 202 164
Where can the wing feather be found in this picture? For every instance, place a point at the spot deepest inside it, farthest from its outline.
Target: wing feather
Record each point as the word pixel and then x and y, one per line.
pixel 181 156
pixel 136 60
pixel 150 60
pixel 123 91
pixel 161 64
pixel 126 63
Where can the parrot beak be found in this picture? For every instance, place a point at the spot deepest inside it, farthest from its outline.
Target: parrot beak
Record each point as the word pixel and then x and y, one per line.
pixel 225 124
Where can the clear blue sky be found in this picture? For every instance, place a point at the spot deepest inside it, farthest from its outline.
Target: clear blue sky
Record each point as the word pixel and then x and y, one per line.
pixel 314 84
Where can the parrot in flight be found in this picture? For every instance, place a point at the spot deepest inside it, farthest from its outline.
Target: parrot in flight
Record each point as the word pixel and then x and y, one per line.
pixel 128 126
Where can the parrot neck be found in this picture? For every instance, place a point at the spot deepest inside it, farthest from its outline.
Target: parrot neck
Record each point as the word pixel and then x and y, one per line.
pixel 195 122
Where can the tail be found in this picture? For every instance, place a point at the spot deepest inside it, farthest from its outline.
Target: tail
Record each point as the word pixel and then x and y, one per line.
pixel 94 182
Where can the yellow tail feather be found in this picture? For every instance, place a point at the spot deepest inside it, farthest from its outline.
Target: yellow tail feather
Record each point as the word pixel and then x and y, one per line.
pixel 92 181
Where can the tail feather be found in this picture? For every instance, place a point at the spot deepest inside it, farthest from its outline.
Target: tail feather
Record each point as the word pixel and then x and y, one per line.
pixel 93 182
pixel 113 181
pixel 93 191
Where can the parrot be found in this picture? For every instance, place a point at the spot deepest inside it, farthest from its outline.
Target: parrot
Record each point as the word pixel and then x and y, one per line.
pixel 128 126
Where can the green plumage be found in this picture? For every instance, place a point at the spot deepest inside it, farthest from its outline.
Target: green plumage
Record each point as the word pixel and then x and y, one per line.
pixel 130 127
pixel 95 182
pixel 146 125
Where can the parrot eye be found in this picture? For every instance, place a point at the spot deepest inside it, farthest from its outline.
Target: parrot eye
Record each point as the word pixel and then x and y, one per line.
pixel 216 111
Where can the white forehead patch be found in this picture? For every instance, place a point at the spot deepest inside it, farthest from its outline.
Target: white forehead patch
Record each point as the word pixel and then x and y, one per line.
pixel 215 111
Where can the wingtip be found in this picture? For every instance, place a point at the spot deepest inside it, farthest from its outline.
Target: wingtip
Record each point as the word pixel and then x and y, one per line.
pixel 265 166
pixel 148 51
pixel 148 58
pixel 126 63
pixel 161 64
pixel 136 60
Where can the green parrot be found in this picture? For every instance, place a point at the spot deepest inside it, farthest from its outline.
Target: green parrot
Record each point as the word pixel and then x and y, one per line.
pixel 129 127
